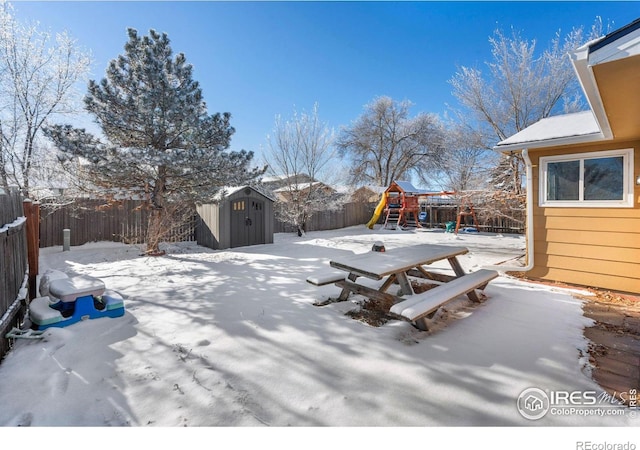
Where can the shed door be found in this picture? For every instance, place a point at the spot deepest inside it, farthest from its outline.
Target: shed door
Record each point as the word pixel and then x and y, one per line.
pixel 256 216
pixel 247 222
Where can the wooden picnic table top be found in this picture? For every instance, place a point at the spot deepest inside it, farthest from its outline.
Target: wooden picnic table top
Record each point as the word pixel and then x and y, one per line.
pixel 377 265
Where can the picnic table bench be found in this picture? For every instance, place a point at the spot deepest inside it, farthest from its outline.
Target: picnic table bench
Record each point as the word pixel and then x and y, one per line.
pixel 417 307
pixel 395 266
pixel 326 277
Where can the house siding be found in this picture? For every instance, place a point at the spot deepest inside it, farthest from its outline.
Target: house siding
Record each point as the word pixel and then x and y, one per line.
pixel 597 247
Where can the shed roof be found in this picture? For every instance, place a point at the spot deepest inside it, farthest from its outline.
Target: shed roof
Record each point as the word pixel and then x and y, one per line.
pixel 228 191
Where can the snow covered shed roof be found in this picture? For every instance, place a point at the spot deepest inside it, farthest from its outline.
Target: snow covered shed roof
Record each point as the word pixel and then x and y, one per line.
pixel 230 190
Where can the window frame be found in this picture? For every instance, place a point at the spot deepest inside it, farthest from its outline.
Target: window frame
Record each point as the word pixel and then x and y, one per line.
pixel 627 180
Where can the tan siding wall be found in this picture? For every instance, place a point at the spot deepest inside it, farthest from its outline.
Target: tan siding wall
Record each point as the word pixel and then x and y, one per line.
pixel 598 247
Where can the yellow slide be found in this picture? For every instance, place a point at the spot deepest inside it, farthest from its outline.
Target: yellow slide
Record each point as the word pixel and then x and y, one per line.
pixel 378 211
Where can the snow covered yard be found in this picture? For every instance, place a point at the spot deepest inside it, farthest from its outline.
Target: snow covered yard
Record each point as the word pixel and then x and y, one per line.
pixel 232 338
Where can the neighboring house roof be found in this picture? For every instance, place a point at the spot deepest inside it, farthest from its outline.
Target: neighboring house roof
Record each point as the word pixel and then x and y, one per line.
pixel 371 189
pixel 375 189
pixel 367 193
pixel 301 186
pixel 606 69
pixel 343 189
pixel 274 178
pixel 282 180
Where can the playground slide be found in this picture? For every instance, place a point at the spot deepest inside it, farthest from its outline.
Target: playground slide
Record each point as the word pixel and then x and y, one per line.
pixel 377 212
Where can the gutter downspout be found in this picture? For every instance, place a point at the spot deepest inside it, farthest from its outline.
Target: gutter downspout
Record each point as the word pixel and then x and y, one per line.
pixel 529 225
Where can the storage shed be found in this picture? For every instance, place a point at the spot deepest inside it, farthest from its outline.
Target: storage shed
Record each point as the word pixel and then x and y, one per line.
pixel 242 216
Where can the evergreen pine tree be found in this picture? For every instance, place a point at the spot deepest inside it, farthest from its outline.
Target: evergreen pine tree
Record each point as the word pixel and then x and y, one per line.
pixel 160 142
pixel 507 175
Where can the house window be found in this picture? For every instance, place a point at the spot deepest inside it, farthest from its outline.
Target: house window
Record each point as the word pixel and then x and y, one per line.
pixel 599 179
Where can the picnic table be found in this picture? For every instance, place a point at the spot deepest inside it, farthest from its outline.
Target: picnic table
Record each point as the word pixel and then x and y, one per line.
pixel 396 266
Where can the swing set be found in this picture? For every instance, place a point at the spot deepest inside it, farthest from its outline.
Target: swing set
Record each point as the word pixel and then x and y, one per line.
pixel 401 207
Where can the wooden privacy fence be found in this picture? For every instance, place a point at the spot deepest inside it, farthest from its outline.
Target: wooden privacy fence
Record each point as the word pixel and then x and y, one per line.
pixel 93 221
pixel 438 216
pixel 18 260
pixel 360 213
pixel 90 221
pixel 351 214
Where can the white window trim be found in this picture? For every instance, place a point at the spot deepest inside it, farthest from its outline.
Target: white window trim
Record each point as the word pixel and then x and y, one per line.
pixel 628 182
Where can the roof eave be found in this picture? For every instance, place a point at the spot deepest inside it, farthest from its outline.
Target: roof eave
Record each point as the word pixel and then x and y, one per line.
pixel 621 43
pixel 553 142
pixel 587 80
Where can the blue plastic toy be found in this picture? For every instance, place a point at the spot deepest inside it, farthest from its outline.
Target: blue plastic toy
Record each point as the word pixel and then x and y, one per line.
pixel 78 298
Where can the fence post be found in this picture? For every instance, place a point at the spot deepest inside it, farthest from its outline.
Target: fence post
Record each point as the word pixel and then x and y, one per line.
pixel 32 213
pixel 66 240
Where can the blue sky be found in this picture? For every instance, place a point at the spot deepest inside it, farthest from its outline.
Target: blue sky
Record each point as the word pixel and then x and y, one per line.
pixel 260 59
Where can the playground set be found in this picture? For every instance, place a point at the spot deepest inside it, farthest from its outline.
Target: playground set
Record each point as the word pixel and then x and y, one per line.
pixel 399 203
pixel 407 207
pixel 64 301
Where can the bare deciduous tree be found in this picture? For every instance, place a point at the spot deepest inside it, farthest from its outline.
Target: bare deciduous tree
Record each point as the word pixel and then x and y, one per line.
pixel 386 144
pixel 521 87
pixel 38 73
pixel 299 152
pixel 465 164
